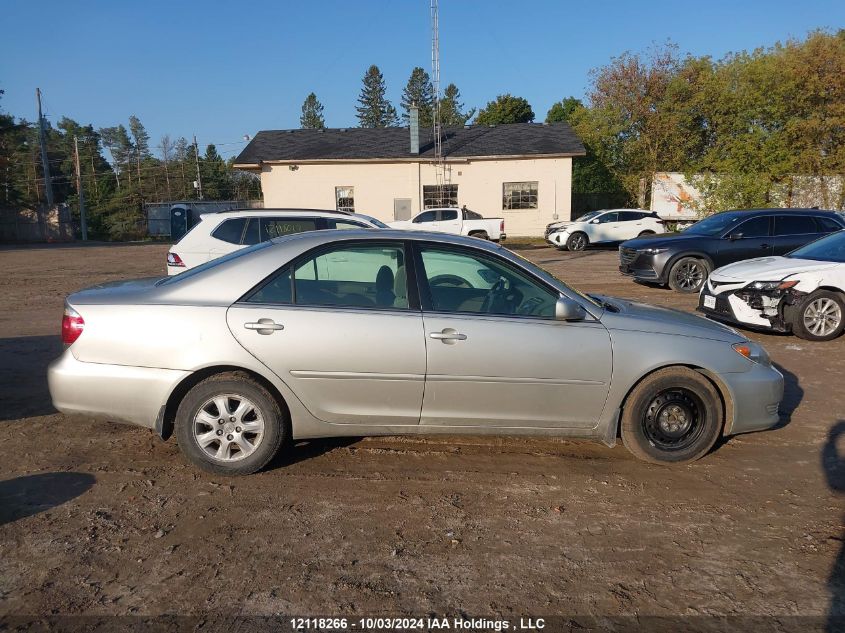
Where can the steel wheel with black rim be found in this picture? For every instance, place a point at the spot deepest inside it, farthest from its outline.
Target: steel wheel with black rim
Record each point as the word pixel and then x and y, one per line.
pixel 673 415
pixel 577 241
pixel 688 274
pixel 229 424
pixel 820 316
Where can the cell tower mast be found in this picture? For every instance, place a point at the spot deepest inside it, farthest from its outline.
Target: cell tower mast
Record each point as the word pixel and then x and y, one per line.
pixel 439 166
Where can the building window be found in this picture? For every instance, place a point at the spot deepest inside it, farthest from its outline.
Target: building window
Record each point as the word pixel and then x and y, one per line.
pixel 344 198
pixel 519 195
pixel 439 196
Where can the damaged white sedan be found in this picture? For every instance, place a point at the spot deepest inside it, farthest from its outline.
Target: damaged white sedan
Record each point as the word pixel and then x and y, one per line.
pixel 802 292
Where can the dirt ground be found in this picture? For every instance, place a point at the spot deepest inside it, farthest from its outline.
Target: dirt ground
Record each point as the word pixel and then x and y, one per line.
pixel 103 519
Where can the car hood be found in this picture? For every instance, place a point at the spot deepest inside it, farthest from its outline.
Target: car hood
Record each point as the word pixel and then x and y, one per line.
pixel 119 291
pixel 560 226
pixel 665 239
pixel 770 268
pixel 641 317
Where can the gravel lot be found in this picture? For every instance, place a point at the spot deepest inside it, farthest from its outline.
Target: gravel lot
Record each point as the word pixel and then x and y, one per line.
pixel 104 519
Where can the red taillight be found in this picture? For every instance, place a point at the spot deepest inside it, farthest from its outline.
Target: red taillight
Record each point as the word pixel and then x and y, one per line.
pixel 174 260
pixel 72 326
pixel 502 226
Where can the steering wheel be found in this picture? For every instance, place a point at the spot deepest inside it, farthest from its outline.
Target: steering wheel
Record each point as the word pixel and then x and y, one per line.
pixel 503 299
pixel 450 281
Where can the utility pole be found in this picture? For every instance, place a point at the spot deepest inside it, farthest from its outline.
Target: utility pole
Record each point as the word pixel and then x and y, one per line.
pixel 48 182
pixel 83 223
pixel 197 158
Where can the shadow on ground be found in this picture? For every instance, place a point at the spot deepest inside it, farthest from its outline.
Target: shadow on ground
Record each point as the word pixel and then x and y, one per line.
pixel 833 464
pixel 23 375
pixel 24 496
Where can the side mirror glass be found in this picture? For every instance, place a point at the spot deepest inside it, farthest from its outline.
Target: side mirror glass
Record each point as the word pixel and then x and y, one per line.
pixel 735 236
pixel 594 221
pixel 567 309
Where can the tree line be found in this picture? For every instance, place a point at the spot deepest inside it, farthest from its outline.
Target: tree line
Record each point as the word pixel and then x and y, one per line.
pixel 742 128
pixel 120 170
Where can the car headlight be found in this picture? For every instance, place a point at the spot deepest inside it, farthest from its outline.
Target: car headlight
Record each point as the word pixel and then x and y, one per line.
pixel 652 251
pixel 772 285
pixel 753 352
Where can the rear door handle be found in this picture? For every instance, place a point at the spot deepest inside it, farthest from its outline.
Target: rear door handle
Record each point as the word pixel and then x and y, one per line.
pixel 448 335
pixel 264 326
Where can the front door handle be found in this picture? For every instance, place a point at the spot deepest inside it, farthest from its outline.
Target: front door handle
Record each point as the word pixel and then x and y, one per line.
pixel 448 335
pixel 264 326
pixel 764 246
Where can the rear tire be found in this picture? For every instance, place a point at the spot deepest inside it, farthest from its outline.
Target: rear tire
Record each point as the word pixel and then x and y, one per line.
pixel 482 235
pixel 688 274
pixel 673 416
pixel 229 424
pixel 578 241
pixel 820 316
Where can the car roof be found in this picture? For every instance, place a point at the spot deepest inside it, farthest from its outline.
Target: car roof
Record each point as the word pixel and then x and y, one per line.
pixel 319 213
pixel 776 211
pixel 340 235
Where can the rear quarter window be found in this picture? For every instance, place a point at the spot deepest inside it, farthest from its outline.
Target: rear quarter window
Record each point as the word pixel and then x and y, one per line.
pixel 230 231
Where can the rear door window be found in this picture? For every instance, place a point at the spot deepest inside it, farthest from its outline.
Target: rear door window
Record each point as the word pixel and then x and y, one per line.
pixel 280 226
pixel 230 231
pixel 794 225
pixel 449 214
pixel 345 224
pixel 629 216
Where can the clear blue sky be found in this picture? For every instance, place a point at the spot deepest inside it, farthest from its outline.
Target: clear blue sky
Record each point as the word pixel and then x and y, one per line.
pixel 225 69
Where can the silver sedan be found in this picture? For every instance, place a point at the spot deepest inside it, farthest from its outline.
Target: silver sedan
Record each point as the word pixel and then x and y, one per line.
pixel 351 333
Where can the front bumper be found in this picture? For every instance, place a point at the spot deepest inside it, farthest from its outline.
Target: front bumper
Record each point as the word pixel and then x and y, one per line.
pixel 643 266
pixel 756 396
pixel 119 392
pixel 763 310
pixel 558 238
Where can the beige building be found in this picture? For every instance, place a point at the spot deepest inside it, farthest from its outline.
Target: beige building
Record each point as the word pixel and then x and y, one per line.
pixel 521 172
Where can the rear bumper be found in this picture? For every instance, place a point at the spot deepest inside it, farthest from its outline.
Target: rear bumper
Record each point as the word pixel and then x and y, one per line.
pixel 129 394
pixel 756 394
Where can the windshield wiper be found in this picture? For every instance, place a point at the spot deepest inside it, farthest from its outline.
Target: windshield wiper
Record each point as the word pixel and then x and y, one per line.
pixel 604 304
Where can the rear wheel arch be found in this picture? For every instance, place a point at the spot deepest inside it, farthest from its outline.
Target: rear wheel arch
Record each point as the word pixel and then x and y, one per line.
pixel 167 417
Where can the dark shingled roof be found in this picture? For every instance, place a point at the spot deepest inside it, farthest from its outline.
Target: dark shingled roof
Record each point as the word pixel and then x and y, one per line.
pixel 517 139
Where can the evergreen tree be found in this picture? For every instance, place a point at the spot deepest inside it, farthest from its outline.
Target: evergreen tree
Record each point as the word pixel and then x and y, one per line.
pixel 506 109
pixel 312 114
pixel 216 182
pixel 419 92
pixel 139 136
pixel 116 140
pixel 374 110
pixel 451 114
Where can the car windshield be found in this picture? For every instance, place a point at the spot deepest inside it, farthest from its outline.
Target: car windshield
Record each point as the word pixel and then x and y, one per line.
pixel 373 221
pixel 827 249
pixel 716 224
pixel 212 264
pixel 587 216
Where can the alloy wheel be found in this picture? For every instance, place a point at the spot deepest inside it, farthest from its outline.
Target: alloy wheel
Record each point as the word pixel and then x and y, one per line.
pixel 822 317
pixel 228 427
pixel 578 242
pixel 690 275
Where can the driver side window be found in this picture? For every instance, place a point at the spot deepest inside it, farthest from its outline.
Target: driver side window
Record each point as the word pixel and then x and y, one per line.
pixel 608 217
pixel 428 216
pixel 462 281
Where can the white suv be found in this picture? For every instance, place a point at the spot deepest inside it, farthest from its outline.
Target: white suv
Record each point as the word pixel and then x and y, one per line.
pixel 218 234
pixel 597 227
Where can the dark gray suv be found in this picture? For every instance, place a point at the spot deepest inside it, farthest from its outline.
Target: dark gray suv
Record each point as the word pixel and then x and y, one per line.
pixel 683 260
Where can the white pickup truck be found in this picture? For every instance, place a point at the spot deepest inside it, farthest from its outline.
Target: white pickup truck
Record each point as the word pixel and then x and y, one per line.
pixel 456 221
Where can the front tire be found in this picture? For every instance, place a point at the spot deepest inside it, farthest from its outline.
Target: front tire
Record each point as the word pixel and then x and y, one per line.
pixel 688 274
pixel 229 424
pixel 646 234
pixel 578 241
pixel 673 416
pixel 820 316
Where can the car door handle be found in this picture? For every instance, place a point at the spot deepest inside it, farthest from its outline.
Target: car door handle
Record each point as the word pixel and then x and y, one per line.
pixel 764 246
pixel 264 326
pixel 448 336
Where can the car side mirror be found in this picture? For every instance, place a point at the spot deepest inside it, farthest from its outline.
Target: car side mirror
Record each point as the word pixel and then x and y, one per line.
pixel 594 221
pixel 735 236
pixel 567 309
